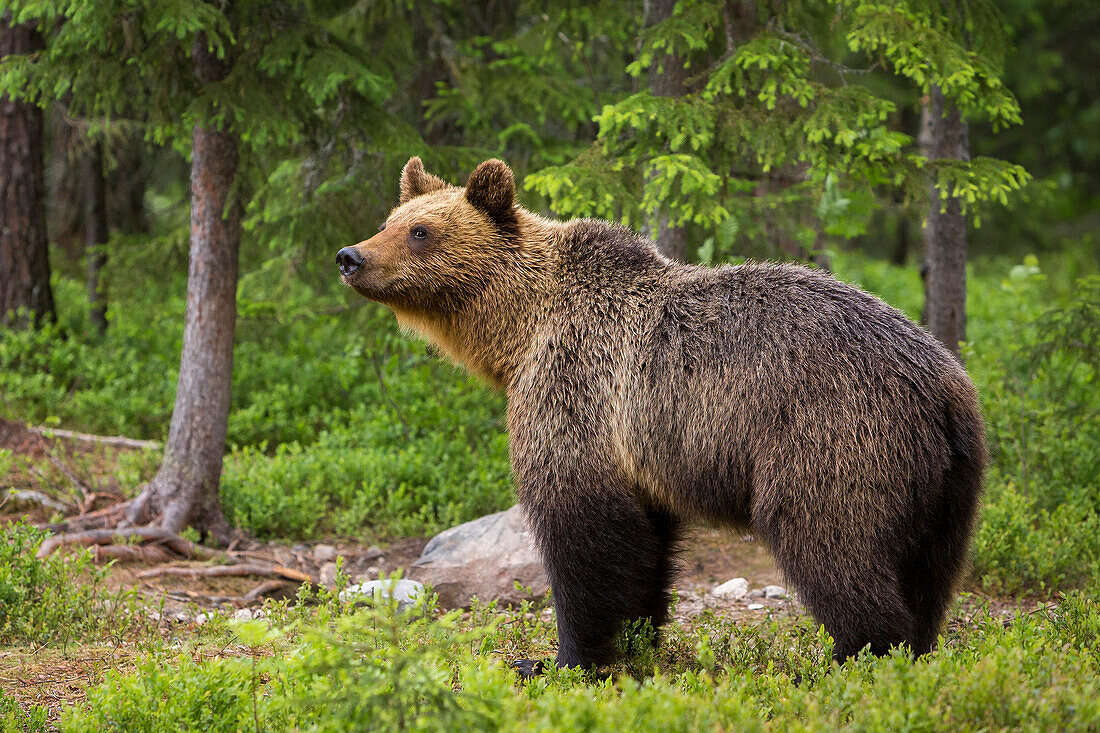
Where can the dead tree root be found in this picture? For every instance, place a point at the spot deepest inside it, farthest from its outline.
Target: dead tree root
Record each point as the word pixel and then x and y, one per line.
pixel 118 537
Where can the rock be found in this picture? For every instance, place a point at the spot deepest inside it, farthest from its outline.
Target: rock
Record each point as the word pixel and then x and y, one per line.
pixel 732 589
pixel 754 606
pixel 756 593
pixel 373 553
pixel 327 575
pixel 247 614
pixel 283 554
pixel 324 553
pixel 484 558
pixel 775 591
pixel 405 591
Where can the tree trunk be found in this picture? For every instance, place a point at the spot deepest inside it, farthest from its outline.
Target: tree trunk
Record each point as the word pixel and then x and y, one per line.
pixel 899 254
pixel 24 258
pixel 95 234
pixel 185 489
pixel 945 135
pixel 666 79
pixel 65 199
pixel 127 183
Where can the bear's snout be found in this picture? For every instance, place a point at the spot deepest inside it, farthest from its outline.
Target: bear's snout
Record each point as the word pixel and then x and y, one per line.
pixel 349 261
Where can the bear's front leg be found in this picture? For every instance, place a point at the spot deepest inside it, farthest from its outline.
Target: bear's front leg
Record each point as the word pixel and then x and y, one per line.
pixel 605 559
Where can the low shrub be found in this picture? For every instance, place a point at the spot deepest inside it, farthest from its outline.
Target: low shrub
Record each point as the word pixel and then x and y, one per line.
pixel 51 600
pixel 383 670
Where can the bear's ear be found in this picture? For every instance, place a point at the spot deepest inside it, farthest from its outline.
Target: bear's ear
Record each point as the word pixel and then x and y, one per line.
pixel 492 189
pixel 415 181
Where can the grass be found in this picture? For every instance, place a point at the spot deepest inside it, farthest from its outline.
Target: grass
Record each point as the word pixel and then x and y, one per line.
pixel 338 668
pixel 320 664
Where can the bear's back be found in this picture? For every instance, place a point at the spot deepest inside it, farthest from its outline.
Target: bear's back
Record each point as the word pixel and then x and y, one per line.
pixel 701 378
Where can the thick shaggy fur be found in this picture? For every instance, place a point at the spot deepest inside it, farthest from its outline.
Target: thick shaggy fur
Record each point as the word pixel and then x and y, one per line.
pixel 643 393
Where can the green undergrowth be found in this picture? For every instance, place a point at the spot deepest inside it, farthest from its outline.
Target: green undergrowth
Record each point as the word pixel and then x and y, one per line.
pixel 379 669
pixel 341 425
pixel 46 601
pixel 317 663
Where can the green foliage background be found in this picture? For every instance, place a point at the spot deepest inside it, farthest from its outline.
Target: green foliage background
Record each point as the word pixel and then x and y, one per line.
pixel 798 126
pixel 796 135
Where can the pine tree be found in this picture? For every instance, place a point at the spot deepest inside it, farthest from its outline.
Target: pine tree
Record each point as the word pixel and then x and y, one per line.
pixel 789 132
pixel 24 259
pixel 236 86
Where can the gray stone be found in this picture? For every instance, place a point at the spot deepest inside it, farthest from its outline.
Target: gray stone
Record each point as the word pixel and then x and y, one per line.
pixel 732 589
pixel 775 591
pixel 484 558
pixel 754 606
pixel 405 591
pixel 324 553
pixel 327 575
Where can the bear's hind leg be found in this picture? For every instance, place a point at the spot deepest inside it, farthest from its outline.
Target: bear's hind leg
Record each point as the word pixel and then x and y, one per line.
pixel 849 590
pixel 927 584
pixel 930 572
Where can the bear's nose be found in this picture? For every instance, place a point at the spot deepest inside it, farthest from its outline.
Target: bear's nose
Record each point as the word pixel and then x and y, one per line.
pixel 349 260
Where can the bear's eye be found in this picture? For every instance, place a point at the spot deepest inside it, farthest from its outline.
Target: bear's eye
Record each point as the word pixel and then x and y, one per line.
pixel 382 227
pixel 419 232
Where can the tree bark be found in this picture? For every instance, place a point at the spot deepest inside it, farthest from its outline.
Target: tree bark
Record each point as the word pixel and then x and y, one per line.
pixel 127 182
pixel 95 235
pixel 185 489
pixel 24 258
pixel 945 135
pixel 667 79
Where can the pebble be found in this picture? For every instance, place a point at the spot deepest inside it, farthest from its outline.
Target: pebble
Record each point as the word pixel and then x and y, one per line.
pixel 405 591
pixel 732 589
pixel 755 606
pixel 775 591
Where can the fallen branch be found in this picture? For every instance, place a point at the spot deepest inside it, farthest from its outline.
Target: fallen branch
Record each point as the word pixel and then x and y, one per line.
pixel 221 571
pixel 67 472
pixel 90 537
pixel 265 588
pixel 88 438
pixel 37 497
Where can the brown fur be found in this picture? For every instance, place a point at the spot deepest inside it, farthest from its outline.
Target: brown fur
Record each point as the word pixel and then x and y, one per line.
pixel 643 393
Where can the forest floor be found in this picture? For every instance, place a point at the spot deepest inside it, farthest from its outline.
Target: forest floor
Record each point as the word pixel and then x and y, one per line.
pixel 81 475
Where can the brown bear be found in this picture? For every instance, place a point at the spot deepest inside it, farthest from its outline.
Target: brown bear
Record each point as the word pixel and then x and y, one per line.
pixel 644 393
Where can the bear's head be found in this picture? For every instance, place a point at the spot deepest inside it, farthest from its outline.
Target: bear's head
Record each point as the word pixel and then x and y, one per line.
pixel 441 246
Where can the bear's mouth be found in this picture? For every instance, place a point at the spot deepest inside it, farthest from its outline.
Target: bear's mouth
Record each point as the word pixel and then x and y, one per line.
pixel 372 284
